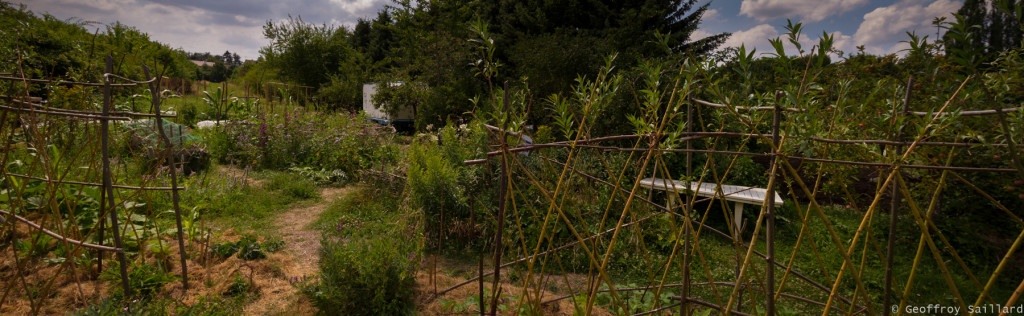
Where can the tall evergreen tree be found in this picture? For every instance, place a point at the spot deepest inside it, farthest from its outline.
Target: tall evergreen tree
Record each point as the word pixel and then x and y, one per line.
pixel 984 29
pixel 629 25
pixel 375 38
pixel 553 42
pixel 550 43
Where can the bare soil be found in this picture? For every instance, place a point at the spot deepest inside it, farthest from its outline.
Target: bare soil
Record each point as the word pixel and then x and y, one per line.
pixel 299 260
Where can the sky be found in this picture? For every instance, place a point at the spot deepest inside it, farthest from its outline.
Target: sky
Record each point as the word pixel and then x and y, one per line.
pixel 236 25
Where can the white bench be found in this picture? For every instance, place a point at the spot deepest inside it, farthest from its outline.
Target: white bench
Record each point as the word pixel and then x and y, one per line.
pixel 739 194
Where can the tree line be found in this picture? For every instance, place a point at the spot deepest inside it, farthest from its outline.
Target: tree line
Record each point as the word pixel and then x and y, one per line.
pixel 218 68
pixel 455 51
pixel 535 45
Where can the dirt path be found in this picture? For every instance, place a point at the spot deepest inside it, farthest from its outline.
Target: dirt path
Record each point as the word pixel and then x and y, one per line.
pixel 297 262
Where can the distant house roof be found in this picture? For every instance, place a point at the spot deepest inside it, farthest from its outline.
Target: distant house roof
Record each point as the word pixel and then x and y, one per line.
pixel 202 63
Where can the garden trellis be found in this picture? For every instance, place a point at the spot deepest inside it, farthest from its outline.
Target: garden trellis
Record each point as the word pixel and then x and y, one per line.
pixel 859 250
pixel 44 188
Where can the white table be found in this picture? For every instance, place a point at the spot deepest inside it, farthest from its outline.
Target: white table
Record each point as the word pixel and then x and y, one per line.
pixel 739 194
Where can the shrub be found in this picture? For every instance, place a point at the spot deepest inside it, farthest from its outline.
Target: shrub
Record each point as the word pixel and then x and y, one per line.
pixel 368 259
pixel 441 185
pixel 343 144
pixel 144 279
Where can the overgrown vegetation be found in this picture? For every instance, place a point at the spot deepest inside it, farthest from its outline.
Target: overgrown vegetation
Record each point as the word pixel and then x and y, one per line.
pixel 570 203
pixel 370 255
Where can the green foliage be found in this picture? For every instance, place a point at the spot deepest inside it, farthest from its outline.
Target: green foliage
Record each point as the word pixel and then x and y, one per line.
pixel 305 53
pixel 375 39
pixel 247 248
pixel 321 176
pixel 219 103
pixel 144 279
pixel 982 30
pixel 48 47
pixel 368 258
pixel 526 43
pixel 298 187
pixel 340 143
pixel 442 187
pixel 400 97
pixel 250 249
pixel 343 92
pixel 36 246
pixel 238 204
pixel 239 286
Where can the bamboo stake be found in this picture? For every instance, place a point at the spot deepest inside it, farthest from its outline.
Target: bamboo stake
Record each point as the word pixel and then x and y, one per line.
pixel 936 254
pixel 154 89
pixel 892 174
pixel 770 206
pixel 108 187
pixel 1014 297
pixel 58 236
pixel 894 197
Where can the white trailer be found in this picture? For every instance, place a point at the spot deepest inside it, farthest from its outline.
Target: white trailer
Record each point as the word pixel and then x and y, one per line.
pixel 403 119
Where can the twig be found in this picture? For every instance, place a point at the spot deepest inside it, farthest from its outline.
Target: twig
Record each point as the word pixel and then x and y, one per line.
pixel 58 236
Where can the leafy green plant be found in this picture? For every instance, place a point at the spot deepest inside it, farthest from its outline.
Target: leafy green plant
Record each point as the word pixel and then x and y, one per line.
pixel 321 176
pixel 337 144
pixel 273 244
pixel 290 184
pixel 247 248
pixel 239 286
pixel 224 250
pixel 145 279
pixel 368 259
pixel 250 249
pixel 470 304
pixel 37 245
pixel 219 103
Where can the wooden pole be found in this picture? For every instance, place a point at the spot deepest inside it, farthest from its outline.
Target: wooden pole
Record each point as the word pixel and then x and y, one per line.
pixel 770 209
pixel 108 187
pixel 154 89
pixel 894 197
pixel 502 196
pixel 685 291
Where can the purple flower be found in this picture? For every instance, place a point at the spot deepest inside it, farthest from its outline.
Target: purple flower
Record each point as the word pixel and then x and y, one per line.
pixel 263 138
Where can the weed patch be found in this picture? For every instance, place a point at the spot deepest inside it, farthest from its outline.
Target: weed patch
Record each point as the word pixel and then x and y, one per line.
pixel 369 257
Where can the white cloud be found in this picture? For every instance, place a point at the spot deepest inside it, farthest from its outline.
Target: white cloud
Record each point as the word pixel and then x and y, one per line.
pixel 208 26
pixel 177 27
pixel 755 37
pixel 710 15
pixel 799 10
pixel 886 25
pixel 699 34
pixel 355 6
pixel 843 43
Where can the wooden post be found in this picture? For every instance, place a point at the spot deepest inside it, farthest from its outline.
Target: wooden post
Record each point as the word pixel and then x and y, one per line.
pixel 770 208
pixel 480 280
pixel 502 196
pixel 108 182
pixel 154 89
pixel 894 197
pixel 684 295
